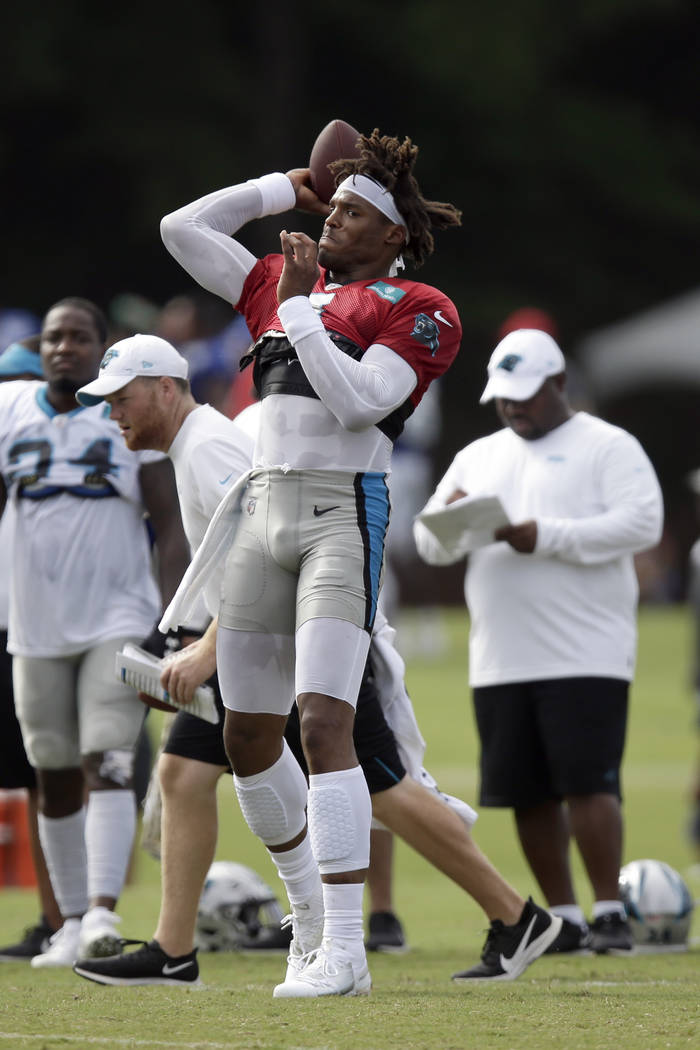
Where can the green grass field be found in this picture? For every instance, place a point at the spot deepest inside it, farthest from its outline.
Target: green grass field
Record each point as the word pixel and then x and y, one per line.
pixel 642 1003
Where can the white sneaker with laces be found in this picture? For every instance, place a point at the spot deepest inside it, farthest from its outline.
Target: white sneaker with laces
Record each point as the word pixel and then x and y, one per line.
pixel 98 934
pixel 328 971
pixel 308 934
pixel 63 946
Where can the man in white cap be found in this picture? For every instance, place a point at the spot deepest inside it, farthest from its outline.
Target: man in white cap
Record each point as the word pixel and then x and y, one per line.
pixel 552 598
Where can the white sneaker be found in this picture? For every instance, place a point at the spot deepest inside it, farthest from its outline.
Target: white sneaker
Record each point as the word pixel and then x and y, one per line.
pixel 308 934
pixel 328 971
pixel 98 934
pixel 63 946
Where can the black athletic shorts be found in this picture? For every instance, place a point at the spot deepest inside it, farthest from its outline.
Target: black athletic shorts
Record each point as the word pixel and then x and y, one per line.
pixel 192 737
pixel 548 739
pixel 15 769
pixel 375 743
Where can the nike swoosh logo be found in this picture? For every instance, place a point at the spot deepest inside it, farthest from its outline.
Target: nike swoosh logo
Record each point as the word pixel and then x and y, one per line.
pixel 510 964
pixel 438 315
pixel 168 969
pixel 318 513
pixel 224 480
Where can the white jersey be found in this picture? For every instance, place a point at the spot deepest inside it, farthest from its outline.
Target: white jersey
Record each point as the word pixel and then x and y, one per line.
pixel 7 532
pixel 209 454
pixel 82 561
pixel 569 608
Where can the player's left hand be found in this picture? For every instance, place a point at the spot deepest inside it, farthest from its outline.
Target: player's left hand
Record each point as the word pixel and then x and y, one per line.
pixel 522 537
pixel 300 271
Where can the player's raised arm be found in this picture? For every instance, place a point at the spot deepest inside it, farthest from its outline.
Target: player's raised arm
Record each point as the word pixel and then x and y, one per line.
pixel 200 235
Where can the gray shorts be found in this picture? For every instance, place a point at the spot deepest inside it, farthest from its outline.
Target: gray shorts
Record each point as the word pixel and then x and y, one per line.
pixel 69 706
pixel 309 544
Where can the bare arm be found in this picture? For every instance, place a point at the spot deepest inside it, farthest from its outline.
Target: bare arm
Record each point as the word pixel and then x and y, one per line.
pixel 159 496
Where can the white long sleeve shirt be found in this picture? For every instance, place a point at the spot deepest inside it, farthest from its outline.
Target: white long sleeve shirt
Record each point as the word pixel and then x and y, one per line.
pixel 569 608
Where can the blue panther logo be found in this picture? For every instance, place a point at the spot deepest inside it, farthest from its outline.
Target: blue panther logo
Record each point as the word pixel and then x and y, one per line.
pixel 509 362
pixel 109 356
pixel 426 331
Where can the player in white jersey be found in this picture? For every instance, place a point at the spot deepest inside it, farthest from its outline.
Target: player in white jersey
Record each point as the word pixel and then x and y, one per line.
pixel 20 361
pixel 144 383
pixel 82 585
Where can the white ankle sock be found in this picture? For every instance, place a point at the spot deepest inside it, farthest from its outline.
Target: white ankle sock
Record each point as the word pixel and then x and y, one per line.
pixel 299 872
pixel 63 843
pixel 343 915
pixel 570 912
pixel 608 908
pixel 109 834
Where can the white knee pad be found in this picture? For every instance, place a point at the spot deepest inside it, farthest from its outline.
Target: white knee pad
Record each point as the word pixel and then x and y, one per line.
pixel 273 802
pixel 340 813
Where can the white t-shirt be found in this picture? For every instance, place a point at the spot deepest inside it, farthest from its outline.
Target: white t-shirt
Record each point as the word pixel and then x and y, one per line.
pixel 569 608
pixel 209 454
pixel 82 560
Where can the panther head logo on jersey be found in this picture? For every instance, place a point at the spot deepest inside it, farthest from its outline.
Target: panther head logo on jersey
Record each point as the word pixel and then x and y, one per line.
pixel 426 331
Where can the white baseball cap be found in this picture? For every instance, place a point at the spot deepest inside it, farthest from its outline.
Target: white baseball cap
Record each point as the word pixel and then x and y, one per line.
pixel 139 355
pixel 520 364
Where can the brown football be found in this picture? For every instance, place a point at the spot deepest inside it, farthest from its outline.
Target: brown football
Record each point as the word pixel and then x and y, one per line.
pixel 337 141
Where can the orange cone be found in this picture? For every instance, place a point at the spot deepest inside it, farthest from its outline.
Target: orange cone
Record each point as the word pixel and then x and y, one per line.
pixel 16 864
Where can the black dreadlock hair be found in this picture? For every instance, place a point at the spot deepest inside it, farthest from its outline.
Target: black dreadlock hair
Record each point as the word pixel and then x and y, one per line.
pixel 390 162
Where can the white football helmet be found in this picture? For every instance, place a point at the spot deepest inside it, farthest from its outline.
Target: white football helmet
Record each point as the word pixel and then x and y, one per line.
pixel 658 905
pixel 237 909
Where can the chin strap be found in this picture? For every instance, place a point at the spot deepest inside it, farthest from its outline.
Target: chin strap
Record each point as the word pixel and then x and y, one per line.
pixel 398 264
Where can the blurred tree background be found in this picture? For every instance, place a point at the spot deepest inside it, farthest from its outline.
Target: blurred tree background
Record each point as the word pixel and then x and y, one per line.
pixel 567 133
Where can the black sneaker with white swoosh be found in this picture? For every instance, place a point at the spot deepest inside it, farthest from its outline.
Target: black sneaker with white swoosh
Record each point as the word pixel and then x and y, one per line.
pixel 149 964
pixel 509 950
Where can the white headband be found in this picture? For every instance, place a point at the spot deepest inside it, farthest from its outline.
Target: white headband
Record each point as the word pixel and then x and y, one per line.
pixel 375 194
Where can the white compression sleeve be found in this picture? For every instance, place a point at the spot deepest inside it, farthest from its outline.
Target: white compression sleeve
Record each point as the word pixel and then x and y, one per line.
pixel 110 825
pixel 358 393
pixel 199 235
pixel 63 843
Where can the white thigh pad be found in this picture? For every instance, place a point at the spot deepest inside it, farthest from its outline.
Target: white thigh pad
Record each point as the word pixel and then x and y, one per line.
pixel 330 658
pixel 256 671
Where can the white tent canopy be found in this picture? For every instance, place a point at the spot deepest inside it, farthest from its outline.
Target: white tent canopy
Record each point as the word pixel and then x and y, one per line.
pixel 658 345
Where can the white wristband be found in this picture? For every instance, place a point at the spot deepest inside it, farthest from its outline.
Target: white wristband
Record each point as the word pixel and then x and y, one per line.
pixel 276 191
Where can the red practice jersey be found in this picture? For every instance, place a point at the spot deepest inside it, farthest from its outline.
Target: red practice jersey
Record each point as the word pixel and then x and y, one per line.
pixel 416 321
